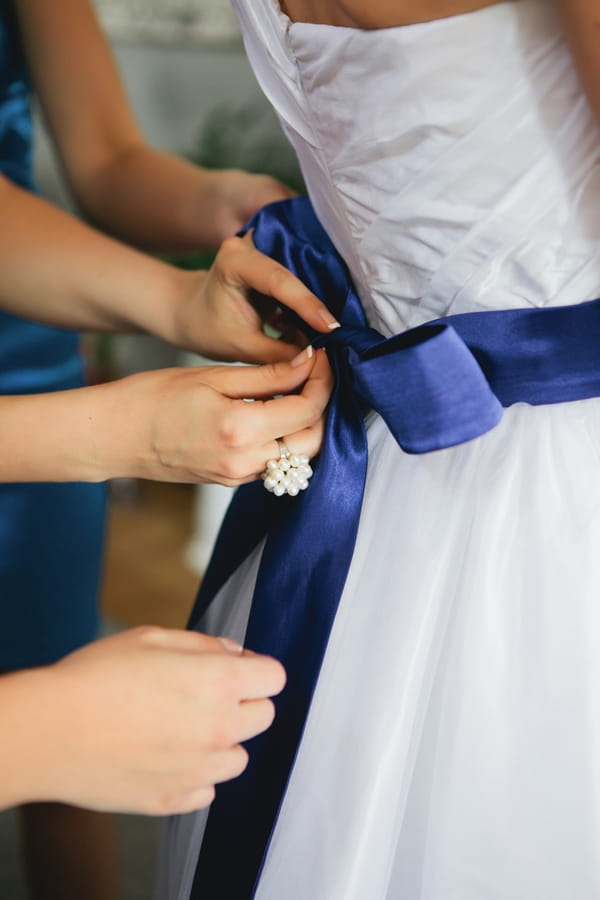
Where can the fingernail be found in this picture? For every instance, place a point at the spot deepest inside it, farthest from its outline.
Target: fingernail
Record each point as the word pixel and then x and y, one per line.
pixel 329 320
pixel 303 357
pixel 230 645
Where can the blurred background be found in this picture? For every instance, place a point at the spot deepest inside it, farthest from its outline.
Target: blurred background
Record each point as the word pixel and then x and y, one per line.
pixel 185 71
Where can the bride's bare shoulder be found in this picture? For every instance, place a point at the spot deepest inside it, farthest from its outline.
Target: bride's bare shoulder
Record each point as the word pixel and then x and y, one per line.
pixel 377 13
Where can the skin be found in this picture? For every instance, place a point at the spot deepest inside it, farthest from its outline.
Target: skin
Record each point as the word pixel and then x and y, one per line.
pixel 378 14
pixel 171 425
pixel 581 22
pixel 147 721
pixel 154 757
pixel 87 280
pixel 157 202
pixel 151 199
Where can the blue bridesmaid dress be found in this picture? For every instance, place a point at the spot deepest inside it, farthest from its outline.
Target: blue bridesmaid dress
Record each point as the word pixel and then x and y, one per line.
pixel 51 535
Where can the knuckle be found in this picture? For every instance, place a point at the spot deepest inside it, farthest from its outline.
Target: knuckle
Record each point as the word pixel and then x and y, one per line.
pixel 272 676
pixel 314 411
pixel 313 447
pixel 233 468
pixel 271 372
pixel 231 245
pixel 169 802
pixel 239 760
pixel 267 713
pixel 233 430
pixel 203 797
pixel 224 733
pixel 197 798
pixel 279 278
pixel 315 432
pixel 231 482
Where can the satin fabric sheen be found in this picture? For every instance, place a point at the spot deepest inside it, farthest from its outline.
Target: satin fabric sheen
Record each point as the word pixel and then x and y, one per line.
pixel 435 386
pixel 451 745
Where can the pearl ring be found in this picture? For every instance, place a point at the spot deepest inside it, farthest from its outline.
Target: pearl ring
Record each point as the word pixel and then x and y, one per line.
pixel 287 475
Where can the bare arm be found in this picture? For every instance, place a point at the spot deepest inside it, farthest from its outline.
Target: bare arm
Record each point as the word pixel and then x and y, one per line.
pixel 151 199
pixel 184 425
pixel 84 280
pixel 189 425
pixel 581 21
pixel 146 721
pixel 378 13
pixel 59 271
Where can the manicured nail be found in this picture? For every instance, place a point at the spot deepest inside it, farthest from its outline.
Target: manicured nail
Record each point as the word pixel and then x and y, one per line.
pixel 230 645
pixel 329 320
pixel 303 357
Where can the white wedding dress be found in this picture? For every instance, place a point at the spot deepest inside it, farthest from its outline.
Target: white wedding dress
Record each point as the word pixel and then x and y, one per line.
pixel 452 750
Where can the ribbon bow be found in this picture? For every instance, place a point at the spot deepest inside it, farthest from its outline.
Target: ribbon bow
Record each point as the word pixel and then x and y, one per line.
pixel 436 386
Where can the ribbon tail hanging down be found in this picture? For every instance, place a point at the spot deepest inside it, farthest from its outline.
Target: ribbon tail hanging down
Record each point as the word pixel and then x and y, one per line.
pixel 436 386
pixel 301 576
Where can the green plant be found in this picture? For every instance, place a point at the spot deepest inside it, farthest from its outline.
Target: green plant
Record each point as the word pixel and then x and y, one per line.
pixel 249 138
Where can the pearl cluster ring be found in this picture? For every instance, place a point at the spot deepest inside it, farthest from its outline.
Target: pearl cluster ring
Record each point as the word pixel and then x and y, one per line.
pixel 287 475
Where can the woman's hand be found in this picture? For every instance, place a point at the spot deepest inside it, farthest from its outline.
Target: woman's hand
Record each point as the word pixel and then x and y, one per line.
pixel 195 425
pixel 218 319
pixel 146 721
pixel 86 281
pixel 229 197
pixel 185 425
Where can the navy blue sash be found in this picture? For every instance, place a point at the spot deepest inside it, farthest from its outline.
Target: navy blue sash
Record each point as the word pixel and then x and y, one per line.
pixel 436 386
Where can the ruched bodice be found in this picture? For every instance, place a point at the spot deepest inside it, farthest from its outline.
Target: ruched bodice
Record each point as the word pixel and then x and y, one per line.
pixel 452 745
pixel 391 129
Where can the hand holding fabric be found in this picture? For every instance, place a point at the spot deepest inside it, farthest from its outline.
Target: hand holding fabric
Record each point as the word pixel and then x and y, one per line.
pixel 223 315
pixel 230 197
pixel 196 425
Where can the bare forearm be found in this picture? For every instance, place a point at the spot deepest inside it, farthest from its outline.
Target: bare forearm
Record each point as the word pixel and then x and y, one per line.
pixel 28 726
pixel 59 271
pixel 94 433
pixel 581 22
pixel 161 202
pixel 147 198
pixel 57 436
pixel 153 200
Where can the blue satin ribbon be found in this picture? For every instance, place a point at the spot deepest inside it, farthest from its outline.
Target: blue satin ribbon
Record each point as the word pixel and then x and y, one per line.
pixel 438 385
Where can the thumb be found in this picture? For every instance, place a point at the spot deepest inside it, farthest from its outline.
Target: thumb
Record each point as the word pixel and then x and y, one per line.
pixel 260 382
pixel 260 348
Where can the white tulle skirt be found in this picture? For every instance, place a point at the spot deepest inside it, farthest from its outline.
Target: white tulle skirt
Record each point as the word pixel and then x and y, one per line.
pixel 452 750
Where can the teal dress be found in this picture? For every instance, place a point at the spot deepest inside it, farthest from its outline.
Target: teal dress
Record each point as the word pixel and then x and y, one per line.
pixel 51 535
